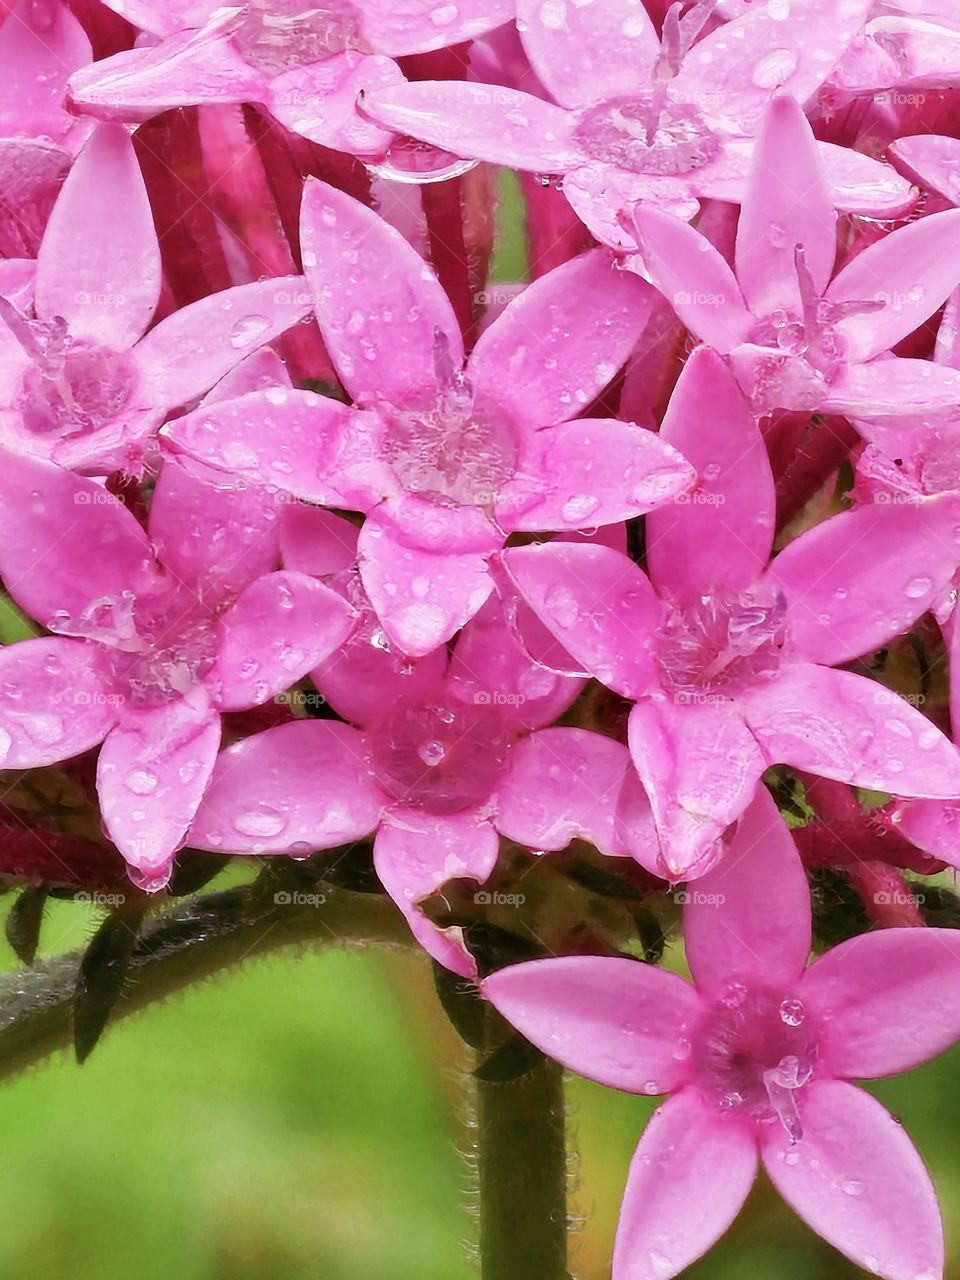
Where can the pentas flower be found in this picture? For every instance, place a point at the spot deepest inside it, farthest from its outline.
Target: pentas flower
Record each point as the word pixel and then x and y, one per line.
pixel 798 336
pixel 155 634
pixel 635 120
pixel 306 63
pixel 757 1054
pixel 446 457
pixel 441 755
pixel 729 655
pixel 80 381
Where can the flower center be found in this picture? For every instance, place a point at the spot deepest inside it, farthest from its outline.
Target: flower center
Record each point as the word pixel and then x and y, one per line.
pixel 442 758
pixel 722 644
pixel 755 1052
pixel 647 134
pixel 277 35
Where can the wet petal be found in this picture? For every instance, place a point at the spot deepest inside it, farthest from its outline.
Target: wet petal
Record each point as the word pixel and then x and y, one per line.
pixel 861 184
pixel 55 702
pixel 918 390
pixel 416 26
pixel 317 542
pixel 320 101
pixel 932 161
pixel 40 44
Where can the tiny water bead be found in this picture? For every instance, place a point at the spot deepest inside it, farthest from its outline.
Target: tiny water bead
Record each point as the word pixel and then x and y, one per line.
pixel 646 136
pixel 723 643
pixel 278 35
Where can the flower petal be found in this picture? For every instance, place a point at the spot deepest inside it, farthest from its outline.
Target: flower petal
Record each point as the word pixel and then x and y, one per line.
pixel 40 44
pixel 930 160
pixel 317 542
pixel 917 391
pixel 416 26
pixel 860 184
pixel 55 702
pixel 320 101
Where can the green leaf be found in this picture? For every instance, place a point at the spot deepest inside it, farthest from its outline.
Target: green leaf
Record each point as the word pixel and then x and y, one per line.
pixel 24 921
pixel 100 978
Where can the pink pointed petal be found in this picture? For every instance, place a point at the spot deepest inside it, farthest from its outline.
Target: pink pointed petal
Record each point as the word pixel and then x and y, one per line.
pixel 40 44
pixel 694 279
pixel 612 1020
pixel 417 26
pixel 750 919
pixel 163 17
pixel 55 702
pixel 558 344
pixel 897 388
pixel 924 52
pixel 151 775
pixel 258 372
pixel 858 1182
pixel 382 323
pixel 855 581
pixel 563 785
pixel 65 542
pixel 317 542
pixel 636 830
pixel 688 1181
pixel 585 53
pixel 720 535
pixel 912 272
pixel 599 605
pixel 198 345
pixel 700 767
pixel 321 101
pixel 481 122
pixel 860 184
pixel 593 471
pixel 932 161
pixel 605 199
pixel 280 627
pixel 211 531
pixel 99 263
pixel 294 788
pixel 32 171
pixel 933 826
pixel 885 1001
pixel 840 725
pixel 416 853
pixel 787 203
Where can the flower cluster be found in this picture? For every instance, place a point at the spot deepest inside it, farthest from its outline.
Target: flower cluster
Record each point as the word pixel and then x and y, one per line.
pixel 320 540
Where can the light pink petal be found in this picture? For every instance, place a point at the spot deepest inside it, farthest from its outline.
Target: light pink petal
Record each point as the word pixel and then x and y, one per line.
pixel 416 853
pixel 258 372
pixel 855 581
pixel 859 1183
pixel 317 542
pixel 279 628
pixel 599 605
pixel 612 1020
pixel 933 826
pixel 563 785
pixel 605 198
pixel 885 1001
pixel 65 542
pixel 416 26
pixel 295 788
pixel 162 17
pixel 31 175
pixel 481 122
pixel 787 203
pixel 842 726
pixel 700 767
pixel 896 388
pixel 912 272
pixel 41 42
pixel 385 319
pixel 749 921
pixel 694 278
pixel 99 263
pixel 947 348
pixel 688 1181
pixel 593 471
pixel 321 101
pixel 720 535
pixel 151 775
pixel 932 161
pixel 196 346
pixel 860 184
pixel 585 53
pixel 558 344
pixel 17 277
pixel 925 53
pixel 55 702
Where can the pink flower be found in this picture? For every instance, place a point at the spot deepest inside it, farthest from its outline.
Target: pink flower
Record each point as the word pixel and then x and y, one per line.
pixel 729 655
pixel 443 752
pixel 306 64
pixel 446 458
pixel 796 338
pixel 910 51
pixel 757 1054
pixel 643 122
pixel 79 383
pixel 155 633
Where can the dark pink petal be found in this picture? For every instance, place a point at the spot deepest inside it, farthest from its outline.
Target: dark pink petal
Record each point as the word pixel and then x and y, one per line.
pixel 279 628
pixel 688 1181
pixel 195 347
pixel 99 263
pixel 842 726
pixel 162 17
pixel 885 1001
pixel 599 605
pixel 381 309
pixel 933 826
pixel 416 853
pixel 55 702
pixel 750 919
pixel 700 767
pixel 317 542
pixel 694 278
pixel 896 388
pixel 151 775
pixel 562 340
pixel 718 537
pixel 65 543
pixel 615 1021
pixel 857 1180
pixel 857 580
pixel 912 272
pixel 590 472
pixel 787 203
pixel 294 788
pixel 416 26
pixel 41 42
pixel 320 101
